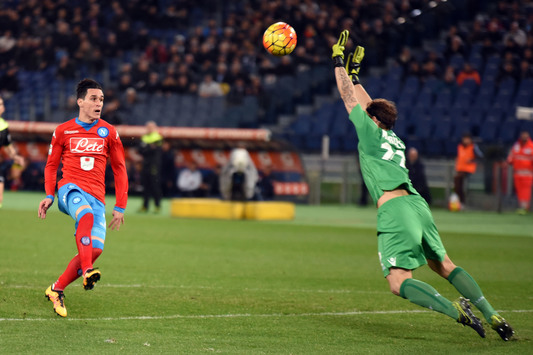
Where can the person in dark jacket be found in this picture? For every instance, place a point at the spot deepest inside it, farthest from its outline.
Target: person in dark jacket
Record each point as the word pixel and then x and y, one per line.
pixel 417 174
pixel 151 151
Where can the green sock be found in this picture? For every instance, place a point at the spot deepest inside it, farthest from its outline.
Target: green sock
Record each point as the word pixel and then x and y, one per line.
pixel 425 295
pixel 468 287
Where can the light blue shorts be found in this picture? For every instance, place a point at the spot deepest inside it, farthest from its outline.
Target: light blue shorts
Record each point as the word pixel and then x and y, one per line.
pixel 71 197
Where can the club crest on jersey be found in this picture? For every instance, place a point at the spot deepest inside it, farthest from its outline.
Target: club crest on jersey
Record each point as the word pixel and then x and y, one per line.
pixel 103 132
pixel 87 163
pixel 87 145
pixel 85 240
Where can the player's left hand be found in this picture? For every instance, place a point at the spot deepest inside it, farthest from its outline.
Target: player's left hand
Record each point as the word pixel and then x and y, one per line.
pixel 117 221
pixel 353 63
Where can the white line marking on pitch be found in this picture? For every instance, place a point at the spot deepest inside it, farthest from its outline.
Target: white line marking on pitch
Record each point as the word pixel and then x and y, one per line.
pixel 237 315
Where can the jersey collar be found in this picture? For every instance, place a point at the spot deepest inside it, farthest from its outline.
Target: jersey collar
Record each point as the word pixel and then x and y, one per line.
pixel 86 126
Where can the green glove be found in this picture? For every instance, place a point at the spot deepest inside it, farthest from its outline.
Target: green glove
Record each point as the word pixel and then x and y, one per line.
pixel 353 64
pixel 338 49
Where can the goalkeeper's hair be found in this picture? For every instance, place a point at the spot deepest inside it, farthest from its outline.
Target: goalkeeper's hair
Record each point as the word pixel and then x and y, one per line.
pixel 84 85
pixel 384 110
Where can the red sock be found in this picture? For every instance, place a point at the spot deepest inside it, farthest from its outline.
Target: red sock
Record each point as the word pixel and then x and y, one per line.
pixel 84 242
pixel 73 271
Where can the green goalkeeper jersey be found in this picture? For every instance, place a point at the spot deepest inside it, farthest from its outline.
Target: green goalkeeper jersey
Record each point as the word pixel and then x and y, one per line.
pixel 381 155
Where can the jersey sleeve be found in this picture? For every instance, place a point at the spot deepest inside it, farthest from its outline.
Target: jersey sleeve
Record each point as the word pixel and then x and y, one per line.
pixel 118 164
pixel 52 164
pixel 364 126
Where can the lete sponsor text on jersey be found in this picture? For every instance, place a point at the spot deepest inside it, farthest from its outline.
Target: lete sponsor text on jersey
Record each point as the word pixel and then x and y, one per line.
pixel 87 145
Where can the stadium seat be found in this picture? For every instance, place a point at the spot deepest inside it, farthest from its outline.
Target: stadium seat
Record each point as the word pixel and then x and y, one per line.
pixel 489 131
pixel 443 100
pixel 425 97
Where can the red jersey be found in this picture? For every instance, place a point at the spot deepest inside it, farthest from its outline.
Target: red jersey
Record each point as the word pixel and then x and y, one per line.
pixel 521 157
pixel 84 149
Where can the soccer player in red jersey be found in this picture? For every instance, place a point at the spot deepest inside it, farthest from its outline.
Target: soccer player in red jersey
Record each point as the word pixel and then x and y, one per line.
pixel 83 144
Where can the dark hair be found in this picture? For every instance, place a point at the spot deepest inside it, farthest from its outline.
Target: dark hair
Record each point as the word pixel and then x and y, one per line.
pixel 84 85
pixel 384 110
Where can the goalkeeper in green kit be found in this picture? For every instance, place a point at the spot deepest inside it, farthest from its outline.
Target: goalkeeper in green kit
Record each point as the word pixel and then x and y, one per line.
pixel 407 235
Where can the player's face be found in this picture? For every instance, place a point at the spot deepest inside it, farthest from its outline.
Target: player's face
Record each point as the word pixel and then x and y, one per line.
pixel 91 106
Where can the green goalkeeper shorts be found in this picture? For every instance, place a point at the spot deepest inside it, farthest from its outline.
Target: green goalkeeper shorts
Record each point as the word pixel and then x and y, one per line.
pixel 407 235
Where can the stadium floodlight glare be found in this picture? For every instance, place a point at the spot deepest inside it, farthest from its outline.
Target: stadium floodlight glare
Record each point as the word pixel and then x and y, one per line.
pixel 432 4
pixel 415 13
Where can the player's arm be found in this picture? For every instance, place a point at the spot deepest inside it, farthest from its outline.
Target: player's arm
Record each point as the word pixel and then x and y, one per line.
pixel 353 65
pixel 50 172
pixel 118 164
pixel 344 83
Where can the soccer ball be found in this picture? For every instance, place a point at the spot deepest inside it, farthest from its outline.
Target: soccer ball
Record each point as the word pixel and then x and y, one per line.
pixel 279 39
pixel 454 204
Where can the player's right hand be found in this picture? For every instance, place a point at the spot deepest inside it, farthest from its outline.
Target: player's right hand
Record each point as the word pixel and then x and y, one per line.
pixel 44 206
pixel 338 48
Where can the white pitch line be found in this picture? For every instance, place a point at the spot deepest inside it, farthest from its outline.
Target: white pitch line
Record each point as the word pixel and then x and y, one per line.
pixel 237 315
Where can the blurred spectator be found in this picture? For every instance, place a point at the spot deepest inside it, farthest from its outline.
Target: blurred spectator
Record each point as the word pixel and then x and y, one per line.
pixel 110 112
pixel 417 174
pixel 151 151
pixel 7 47
pixel 153 85
pixel 212 182
pixel 169 84
pixel 9 83
pixel 209 88
pixel 468 73
pixel 521 159
pixel 190 181
pixel 526 69
pixel 508 70
pixel 405 58
pixel 455 47
pixel 156 52
pixel 184 86
pixel 465 164
pixel 66 69
pixel 237 92
pixel 516 34
pixel 266 184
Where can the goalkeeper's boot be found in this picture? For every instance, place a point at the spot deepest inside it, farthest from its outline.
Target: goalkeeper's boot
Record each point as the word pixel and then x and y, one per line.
pixel 467 317
pixel 90 277
pixel 500 325
pixel 58 299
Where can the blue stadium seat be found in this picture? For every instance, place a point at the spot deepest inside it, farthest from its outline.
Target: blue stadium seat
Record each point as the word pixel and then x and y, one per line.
pixel 489 131
pixel 457 61
pixel 425 97
pixel 443 100
pixel 509 131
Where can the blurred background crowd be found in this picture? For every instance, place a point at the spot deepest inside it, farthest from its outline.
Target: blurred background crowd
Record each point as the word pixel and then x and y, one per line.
pixel 454 65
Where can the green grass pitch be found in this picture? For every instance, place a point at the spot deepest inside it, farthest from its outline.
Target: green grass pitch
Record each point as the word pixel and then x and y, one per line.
pixel 308 286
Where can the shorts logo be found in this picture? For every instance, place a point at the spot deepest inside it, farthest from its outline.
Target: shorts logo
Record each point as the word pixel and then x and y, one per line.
pixel 392 261
pixel 103 132
pixel 85 241
pixel 76 200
